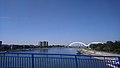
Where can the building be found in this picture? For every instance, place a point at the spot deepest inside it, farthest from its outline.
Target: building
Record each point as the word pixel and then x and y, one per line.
pixel 43 43
pixel 0 43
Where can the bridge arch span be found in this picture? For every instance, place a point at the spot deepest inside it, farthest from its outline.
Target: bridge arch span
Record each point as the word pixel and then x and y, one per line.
pixel 95 43
pixel 81 44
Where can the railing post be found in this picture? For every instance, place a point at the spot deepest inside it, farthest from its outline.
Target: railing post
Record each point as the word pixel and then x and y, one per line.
pixel 4 60
pixel 119 60
pixel 76 61
pixel 32 60
pixel 118 65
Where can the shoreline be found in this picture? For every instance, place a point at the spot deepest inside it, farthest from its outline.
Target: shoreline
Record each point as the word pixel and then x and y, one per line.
pixel 17 50
pixel 98 53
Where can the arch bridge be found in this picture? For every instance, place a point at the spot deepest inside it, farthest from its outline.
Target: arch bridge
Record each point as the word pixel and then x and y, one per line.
pixel 81 44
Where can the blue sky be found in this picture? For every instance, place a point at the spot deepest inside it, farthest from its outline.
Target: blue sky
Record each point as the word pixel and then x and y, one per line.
pixel 59 21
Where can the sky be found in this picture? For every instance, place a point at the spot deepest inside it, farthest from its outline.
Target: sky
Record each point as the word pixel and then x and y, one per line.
pixel 59 21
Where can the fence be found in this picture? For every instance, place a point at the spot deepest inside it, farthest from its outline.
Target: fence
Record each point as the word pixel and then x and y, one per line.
pixel 37 60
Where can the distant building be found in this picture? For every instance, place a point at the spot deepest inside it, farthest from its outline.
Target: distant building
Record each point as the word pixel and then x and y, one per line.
pixel 0 43
pixel 43 43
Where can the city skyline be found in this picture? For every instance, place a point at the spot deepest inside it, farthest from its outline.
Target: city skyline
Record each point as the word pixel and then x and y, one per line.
pixel 59 22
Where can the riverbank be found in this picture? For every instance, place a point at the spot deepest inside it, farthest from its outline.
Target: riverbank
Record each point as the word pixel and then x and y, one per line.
pixel 17 50
pixel 98 53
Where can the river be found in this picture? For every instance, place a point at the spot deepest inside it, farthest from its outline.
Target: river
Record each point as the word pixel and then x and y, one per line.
pixel 53 50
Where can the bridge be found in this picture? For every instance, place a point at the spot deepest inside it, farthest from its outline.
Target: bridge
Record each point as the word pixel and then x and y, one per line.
pixel 81 44
pixel 40 60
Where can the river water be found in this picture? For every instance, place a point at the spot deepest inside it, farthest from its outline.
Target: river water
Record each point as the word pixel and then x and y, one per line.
pixel 53 50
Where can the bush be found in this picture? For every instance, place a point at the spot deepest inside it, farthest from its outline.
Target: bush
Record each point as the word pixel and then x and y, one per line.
pixel 116 51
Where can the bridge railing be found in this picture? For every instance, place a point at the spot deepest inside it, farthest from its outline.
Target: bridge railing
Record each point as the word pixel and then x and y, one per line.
pixel 40 60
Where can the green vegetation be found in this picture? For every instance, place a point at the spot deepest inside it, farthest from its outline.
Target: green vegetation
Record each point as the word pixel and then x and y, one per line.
pixel 109 46
pixel 79 52
pixel 8 48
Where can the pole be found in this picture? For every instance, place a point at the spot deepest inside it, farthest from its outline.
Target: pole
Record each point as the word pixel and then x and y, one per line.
pixel 118 62
pixel 76 61
pixel 32 60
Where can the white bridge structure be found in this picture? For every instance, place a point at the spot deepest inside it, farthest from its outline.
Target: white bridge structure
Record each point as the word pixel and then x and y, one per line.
pixel 82 45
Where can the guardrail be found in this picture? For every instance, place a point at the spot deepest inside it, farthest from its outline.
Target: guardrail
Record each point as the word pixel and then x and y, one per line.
pixel 40 60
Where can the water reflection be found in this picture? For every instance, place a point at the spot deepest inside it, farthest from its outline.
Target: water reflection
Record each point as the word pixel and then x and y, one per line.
pixel 43 50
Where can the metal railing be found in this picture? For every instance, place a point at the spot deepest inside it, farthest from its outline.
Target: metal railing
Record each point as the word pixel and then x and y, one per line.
pixel 38 60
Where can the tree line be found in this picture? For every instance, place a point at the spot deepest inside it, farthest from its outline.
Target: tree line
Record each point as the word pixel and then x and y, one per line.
pixel 6 47
pixel 109 46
